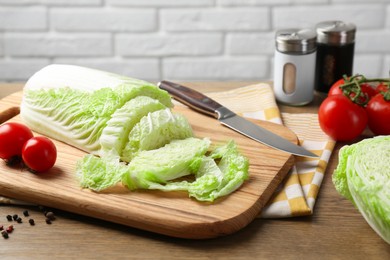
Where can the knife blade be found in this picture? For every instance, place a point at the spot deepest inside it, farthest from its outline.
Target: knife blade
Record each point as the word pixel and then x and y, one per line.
pixel 226 117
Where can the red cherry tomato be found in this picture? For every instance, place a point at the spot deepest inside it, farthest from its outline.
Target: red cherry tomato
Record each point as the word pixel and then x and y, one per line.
pixel 378 111
pixel 342 119
pixel 382 87
pixel 12 138
pixel 335 88
pixel 39 154
pixel 368 91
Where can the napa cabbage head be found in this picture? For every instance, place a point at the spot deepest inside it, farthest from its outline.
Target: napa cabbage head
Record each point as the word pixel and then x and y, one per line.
pixel 74 104
pixel 363 176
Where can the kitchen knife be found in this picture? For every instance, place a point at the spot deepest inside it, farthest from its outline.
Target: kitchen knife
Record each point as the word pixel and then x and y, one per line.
pixel 206 105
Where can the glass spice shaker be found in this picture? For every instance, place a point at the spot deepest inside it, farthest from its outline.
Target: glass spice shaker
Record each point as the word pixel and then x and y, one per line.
pixel 335 51
pixel 294 66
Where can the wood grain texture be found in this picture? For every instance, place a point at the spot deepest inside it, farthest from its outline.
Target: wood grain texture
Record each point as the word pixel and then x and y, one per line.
pixel 169 213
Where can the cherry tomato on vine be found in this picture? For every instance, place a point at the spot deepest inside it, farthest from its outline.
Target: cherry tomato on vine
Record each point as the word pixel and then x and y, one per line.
pixel 342 119
pixel 335 88
pixel 382 87
pixel 39 154
pixel 367 90
pixel 378 111
pixel 12 138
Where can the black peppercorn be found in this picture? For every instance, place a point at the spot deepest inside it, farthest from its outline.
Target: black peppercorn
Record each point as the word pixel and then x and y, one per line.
pixel 50 215
pixel 15 217
pixel 25 213
pixel 4 234
pixel 31 221
pixel 9 217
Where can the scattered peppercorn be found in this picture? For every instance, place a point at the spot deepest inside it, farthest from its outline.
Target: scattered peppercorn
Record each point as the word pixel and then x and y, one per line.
pixel 10 229
pixel 50 215
pixel 4 234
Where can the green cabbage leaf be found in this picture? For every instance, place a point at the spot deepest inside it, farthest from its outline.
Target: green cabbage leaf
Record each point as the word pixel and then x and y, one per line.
pixel 115 134
pixel 155 130
pixel 97 173
pixel 169 162
pixel 363 176
pixel 215 175
pixel 214 180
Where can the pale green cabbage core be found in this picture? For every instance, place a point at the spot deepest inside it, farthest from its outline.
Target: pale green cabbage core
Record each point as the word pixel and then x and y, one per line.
pixel 363 176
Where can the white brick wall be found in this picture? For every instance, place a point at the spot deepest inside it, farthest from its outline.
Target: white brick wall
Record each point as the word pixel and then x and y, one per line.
pixel 177 39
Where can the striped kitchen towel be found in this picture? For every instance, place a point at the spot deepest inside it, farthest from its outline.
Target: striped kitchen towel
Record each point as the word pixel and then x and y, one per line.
pixel 297 195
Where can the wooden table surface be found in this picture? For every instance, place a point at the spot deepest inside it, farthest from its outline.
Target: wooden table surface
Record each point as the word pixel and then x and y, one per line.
pixel 336 230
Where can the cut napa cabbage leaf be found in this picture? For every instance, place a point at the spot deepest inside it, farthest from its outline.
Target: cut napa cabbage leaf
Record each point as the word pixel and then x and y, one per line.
pixel 169 162
pixel 98 173
pixel 115 134
pixel 159 169
pixel 155 130
pixel 73 104
pixel 214 180
pixel 363 176
pixel 174 160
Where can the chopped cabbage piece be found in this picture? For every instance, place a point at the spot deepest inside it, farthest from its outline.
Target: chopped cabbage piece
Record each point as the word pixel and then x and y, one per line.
pixel 155 130
pixel 116 133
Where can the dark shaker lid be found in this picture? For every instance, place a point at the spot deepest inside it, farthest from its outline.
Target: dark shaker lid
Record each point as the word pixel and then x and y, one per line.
pixel 335 32
pixel 299 41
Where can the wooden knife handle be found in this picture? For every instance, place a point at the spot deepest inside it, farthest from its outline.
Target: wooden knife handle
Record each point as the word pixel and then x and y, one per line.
pixel 191 98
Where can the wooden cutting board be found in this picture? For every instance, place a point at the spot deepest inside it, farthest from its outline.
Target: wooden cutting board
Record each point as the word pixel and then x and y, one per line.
pixel 169 213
